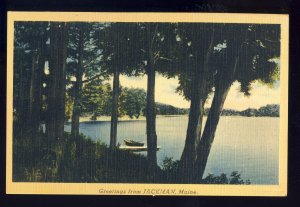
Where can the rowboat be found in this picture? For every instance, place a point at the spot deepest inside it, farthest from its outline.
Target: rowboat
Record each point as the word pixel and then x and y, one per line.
pixel 130 142
pixel 136 148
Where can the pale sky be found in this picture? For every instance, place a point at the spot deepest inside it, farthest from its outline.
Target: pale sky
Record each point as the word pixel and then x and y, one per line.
pixel 165 93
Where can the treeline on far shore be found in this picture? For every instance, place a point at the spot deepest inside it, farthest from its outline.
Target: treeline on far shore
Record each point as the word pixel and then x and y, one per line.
pixel 96 99
pixel 270 110
pixel 132 103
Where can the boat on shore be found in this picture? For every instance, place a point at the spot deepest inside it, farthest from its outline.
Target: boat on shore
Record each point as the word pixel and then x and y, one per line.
pixel 136 148
pixel 129 142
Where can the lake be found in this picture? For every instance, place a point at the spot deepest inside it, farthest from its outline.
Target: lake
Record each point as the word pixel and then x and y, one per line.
pixel 248 145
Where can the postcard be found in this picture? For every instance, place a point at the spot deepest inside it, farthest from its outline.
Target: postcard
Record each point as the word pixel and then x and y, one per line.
pixel 161 104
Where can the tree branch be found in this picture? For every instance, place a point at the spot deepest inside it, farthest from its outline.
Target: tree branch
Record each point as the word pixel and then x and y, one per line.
pixel 155 31
pixel 88 80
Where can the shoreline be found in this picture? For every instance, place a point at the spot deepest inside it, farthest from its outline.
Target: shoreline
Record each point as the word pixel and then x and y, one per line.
pixel 124 118
pixel 86 119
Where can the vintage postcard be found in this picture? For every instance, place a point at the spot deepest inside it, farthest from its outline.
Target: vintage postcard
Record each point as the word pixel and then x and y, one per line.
pixel 164 104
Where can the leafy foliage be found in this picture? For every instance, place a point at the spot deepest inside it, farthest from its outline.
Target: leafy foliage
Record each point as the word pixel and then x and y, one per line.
pixel 135 101
pixel 96 98
pixel 271 110
pixel 234 178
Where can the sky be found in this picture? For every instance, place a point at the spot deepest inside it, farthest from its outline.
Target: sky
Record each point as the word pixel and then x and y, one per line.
pixel 261 95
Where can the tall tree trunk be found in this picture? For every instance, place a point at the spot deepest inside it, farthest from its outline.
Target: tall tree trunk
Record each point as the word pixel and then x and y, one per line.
pixel 56 90
pixel 31 122
pixel 114 110
pixel 61 86
pixel 193 129
pixel 151 121
pixel 150 111
pixel 35 100
pixel 40 72
pixel 78 89
pixel 204 146
pixel 20 105
pixel 199 95
pixel 223 84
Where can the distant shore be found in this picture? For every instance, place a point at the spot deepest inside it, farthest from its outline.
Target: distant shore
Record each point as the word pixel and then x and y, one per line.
pixel 123 118
pixel 143 118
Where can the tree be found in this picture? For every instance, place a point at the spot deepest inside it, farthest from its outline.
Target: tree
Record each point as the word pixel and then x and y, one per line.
pixel 244 56
pixel 151 30
pixel 57 81
pixel 120 57
pixel 195 48
pixel 78 84
pixel 154 47
pixel 29 59
pixel 252 52
pixel 96 98
pixel 135 101
pixel 83 62
pixel 269 110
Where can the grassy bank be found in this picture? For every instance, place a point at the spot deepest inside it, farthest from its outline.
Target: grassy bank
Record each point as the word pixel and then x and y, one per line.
pixel 85 160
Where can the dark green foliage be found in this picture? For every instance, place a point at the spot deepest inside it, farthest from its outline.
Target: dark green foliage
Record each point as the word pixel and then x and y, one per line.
pixel 212 179
pixel 96 101
pixel 256 47
pixel 92 61
pixel 33 162
pixel 30 48
pixel 96 98
pixel 169 164
pixel 249 112
pixel 134 101
pixel 165 109
pixel 235 178
pixel 270 110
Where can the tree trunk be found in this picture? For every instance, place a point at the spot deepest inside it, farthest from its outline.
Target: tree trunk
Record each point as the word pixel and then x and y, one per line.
pixel 78 89
pixel 151 121
pixel 208 135
pixel 198 97
pixel 76 112
pixel 40 72
pixel 20 104
pixel 114 111
pixel 56 90
pixel 222 87
pixel 193 129
pixel 150 111
pixel 35 97
pixel 61 86
pixel 31 120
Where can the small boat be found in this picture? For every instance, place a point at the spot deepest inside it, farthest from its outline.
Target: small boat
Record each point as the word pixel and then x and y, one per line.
pixel 130 142
pixel 135 148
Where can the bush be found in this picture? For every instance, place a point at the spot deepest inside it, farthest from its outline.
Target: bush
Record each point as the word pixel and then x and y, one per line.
pixel 235 178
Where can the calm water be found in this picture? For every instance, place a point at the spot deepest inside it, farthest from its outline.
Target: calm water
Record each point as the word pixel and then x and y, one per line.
pixel 245 144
